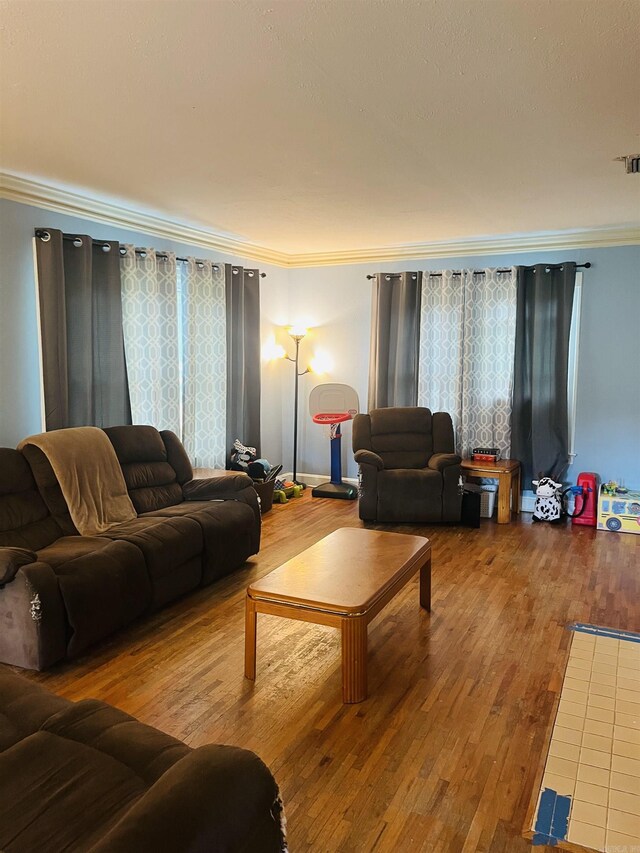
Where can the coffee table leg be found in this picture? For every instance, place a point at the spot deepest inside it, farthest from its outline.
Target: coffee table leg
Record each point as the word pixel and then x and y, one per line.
pixel 354 660
pixel 250 631
pixel 425 585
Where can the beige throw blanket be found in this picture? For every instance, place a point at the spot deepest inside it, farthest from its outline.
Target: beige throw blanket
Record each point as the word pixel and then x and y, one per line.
pixel 87 468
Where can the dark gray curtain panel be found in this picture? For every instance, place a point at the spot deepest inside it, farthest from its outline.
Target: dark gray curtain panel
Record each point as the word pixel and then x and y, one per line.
pixel 243 356
pixel 395 340
pixel 84 371
pixel 540 422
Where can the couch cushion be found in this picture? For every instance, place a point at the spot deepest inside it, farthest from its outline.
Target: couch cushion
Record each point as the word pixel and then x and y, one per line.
pixel 25 521
pixel 59 794
pixel 166 543
pixel 137 444
pixel 69 547
pixel 151 480
pixel 104 585
pixel 143 749
pixel 409 495
pixel 402 436
pixel 24 706
pixel 227 528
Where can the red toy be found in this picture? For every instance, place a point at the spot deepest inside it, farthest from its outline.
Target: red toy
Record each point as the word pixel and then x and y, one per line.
pixel 590 484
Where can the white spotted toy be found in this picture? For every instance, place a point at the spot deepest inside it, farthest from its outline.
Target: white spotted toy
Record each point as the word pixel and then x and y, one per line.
pixel 548 505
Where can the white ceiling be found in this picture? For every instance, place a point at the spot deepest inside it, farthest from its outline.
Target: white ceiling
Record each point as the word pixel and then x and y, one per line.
pixel 325 125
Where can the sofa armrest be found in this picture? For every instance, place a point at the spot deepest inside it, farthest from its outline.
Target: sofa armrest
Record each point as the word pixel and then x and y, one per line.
pixel 440 461
pixel 217 798
pixel 218 485
pixel 368 457
pixel 369 465
pixel 33 624
pixel 213 485
pixel 12 559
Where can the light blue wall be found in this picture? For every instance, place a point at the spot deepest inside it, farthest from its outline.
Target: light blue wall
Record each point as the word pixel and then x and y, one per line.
pixel 608 405
pixel 20 413
pixel 336 301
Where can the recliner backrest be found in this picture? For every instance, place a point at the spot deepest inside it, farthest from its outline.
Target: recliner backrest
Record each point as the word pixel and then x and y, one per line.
pixel 402 436
pixel 154 464
pixel 25 520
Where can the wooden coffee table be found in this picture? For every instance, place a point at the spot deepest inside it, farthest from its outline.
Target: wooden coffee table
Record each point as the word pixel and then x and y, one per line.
pixel 344 581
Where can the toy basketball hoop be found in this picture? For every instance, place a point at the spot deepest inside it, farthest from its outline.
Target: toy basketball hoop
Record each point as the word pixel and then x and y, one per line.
pixel 330 405
pixel 329 418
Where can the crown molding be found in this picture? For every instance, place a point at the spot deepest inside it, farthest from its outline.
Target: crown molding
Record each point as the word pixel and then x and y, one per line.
pixel 583 238
pixel 61 200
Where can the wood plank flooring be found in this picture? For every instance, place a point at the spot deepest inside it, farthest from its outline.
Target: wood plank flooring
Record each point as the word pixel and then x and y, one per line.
pixel 444 753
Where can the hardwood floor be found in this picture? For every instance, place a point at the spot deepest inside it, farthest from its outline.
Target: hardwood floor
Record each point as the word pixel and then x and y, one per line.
pixel 444 753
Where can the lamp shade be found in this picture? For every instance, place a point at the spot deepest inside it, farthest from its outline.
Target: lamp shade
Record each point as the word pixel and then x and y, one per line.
pixel 297 331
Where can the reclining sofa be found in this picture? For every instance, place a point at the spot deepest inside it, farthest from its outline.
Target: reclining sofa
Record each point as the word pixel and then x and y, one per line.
pixel 87 778
pixel 61 592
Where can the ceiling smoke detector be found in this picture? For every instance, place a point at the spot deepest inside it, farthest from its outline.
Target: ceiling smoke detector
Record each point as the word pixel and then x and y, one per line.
pixel 631 163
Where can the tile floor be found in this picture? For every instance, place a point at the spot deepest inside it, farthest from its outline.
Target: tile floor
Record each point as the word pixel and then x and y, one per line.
pixel 594 755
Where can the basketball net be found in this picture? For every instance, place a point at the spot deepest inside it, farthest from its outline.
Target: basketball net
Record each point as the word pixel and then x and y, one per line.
pixel 330 430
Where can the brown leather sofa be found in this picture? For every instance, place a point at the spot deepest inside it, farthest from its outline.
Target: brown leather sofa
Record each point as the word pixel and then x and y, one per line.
pixel 61 592
pixel 85 777
pixel 409 470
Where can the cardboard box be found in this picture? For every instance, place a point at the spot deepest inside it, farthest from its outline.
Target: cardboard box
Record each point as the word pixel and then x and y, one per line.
pixel 619 513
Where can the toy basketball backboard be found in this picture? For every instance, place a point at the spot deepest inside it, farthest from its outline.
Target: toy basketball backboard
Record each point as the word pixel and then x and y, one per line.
pixel 333 397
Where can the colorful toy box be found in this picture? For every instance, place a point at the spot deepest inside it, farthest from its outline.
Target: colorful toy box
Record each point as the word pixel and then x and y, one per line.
pixel 618 510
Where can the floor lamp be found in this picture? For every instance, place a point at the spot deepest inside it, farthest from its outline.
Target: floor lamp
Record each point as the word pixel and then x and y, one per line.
pixel 297 334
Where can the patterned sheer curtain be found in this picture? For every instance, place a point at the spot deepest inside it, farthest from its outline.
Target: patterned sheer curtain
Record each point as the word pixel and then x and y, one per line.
pixel 204 352
pixel 467 341
pixel 151 338
pixel 174 319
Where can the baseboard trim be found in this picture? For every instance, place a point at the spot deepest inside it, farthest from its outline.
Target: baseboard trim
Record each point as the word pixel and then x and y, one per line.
pixel 316 479
pixel 527 501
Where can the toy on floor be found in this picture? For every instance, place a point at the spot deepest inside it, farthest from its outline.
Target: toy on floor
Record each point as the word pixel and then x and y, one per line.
pixel 285 489
pixel 241 456
pixel 551 500
pixel 331 404
pixel 548 506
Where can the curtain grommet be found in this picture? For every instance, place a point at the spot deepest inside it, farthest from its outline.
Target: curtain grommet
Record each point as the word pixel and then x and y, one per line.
pixel 77 242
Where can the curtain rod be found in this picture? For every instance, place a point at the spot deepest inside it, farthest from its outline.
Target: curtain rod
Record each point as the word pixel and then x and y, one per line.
pixel 586 266
pixel 77 241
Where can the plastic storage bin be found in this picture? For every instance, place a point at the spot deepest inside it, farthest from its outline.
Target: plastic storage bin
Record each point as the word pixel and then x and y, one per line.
pixel 487 500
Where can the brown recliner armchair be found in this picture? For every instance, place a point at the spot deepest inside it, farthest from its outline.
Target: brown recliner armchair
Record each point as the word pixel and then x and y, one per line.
pixel 409 470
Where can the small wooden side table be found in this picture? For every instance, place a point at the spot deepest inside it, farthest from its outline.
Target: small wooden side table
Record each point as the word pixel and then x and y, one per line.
pixel 507 472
